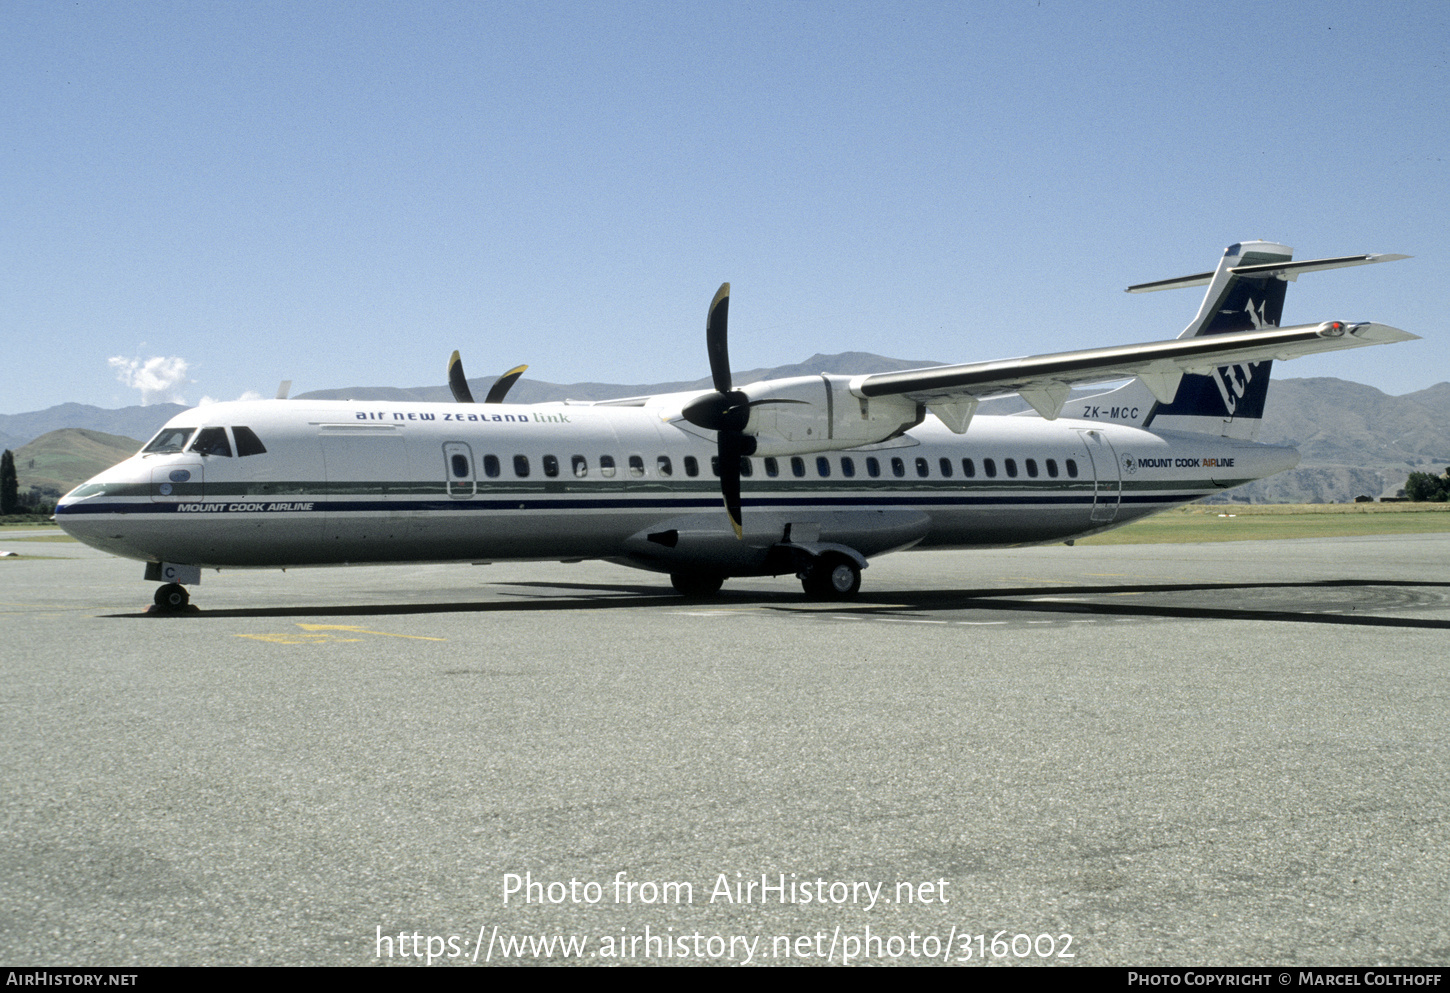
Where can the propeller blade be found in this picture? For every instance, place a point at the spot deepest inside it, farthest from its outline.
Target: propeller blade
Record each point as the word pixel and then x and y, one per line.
pixel 456 382
pixel 726 411
pixel 733 446
pixel 503 384
pixel 715 339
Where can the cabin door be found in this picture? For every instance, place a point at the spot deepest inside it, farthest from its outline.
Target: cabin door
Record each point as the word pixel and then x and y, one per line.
pixel 1107 476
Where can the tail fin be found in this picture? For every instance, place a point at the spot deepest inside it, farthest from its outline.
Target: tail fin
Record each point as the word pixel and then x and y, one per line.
pixel 1245 292
pixel 1230 400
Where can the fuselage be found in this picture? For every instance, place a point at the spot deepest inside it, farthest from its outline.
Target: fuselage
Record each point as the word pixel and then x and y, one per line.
pixel 297 483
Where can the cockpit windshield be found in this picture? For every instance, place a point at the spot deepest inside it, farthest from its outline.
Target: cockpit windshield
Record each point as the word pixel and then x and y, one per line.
pixel 168 440
pixel 211 441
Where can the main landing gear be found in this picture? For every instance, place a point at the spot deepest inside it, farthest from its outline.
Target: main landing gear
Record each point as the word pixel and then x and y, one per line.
pixel 831 576
pixel 696 584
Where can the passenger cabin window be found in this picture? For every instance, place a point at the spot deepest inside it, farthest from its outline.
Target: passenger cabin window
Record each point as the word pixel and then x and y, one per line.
pixel 898 467
pixel 212 441
pixel 491 467
pixel 636 466
pixel 990 468
pixel 247 442
pixel 923 468
pixel 1052 468
pixel 692 466
pixel 521 466
pixel 460 466
pixel 1032 468
pixel 797 466
pixel 848 466
pixel 168 440
pixel 606 466
pixel 772 467
pixel 1072 468
pixel 551 465
pixel 746 468
pixel 969 469
pixel 580 466
pixel 663 466
pixel 873 466
pixel 946 467
pixel 1011 465
pixel 823 466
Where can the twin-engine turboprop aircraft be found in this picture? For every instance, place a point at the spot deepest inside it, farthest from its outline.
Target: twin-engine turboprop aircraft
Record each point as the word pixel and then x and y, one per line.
pixel 817 473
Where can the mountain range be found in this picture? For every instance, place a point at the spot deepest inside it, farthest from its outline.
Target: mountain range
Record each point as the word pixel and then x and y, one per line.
pixel 1354 440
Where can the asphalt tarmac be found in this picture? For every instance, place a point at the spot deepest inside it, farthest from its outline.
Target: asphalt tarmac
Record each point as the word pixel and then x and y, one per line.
pixel 1128 755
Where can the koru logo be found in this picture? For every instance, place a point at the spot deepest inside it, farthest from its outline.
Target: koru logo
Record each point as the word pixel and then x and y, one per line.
pixel 1129 465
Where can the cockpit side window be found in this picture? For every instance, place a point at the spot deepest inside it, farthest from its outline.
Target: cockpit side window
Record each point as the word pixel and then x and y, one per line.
pixel 248 443
pixel 211 441
pixel 168 440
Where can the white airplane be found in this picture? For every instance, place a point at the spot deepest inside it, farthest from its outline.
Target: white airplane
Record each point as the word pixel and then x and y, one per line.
pixel 817 473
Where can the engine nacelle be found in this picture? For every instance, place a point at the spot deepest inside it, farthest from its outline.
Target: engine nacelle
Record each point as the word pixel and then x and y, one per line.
pixel 820 413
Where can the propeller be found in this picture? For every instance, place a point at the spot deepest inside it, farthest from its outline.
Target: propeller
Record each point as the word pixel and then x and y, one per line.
pixel 459 384
pixel 503 384
pixel 726 411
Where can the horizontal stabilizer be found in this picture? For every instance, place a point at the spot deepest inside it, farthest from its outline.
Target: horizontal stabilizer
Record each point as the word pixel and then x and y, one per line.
pixel 1286 270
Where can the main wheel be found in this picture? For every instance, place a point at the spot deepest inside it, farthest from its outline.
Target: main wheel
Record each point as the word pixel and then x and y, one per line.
pixel 172 596
pixel 832 577
pixel 696 583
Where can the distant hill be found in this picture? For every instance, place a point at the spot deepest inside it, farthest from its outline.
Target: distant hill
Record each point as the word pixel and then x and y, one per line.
pixel 1353 439
pixel 130 422
pixel 61 460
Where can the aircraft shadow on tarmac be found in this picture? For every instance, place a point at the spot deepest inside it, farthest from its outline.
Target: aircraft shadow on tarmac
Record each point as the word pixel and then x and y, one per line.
pixel 1337 601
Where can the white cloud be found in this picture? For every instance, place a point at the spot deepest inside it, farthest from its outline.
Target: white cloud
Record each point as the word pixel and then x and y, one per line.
pixel 157 377
pixel 251 395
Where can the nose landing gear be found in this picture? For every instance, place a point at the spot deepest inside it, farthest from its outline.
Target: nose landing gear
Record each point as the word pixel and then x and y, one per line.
pixel 171 598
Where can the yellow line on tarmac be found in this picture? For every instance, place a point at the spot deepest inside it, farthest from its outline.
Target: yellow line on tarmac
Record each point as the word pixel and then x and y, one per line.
pixel 358 630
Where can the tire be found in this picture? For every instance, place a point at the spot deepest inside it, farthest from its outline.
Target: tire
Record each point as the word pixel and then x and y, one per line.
pixel 832 577
pixel 172 596
pixel 696 584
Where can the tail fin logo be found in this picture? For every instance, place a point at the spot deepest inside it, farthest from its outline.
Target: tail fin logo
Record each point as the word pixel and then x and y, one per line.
pixel 1236 385
pixel 1257 316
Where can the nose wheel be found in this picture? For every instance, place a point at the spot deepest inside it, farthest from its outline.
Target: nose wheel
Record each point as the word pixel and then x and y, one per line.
pixel 172 597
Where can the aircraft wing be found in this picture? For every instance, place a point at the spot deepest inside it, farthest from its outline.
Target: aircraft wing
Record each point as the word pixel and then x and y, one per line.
pixel 1044 381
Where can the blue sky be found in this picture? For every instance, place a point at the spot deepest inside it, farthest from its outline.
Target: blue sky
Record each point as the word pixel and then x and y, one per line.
pixel 341 194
